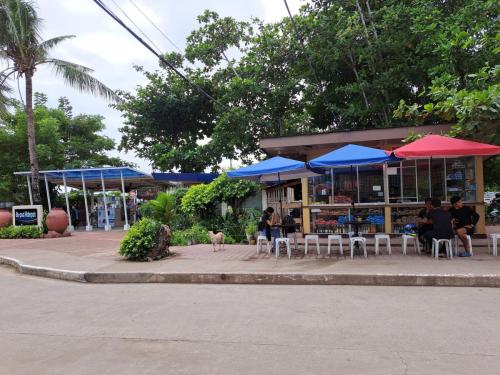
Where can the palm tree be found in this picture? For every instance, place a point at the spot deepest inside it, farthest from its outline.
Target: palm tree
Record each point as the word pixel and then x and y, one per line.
pixel 22 48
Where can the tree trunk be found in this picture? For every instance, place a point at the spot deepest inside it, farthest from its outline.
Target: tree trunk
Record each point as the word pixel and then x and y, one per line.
pixel 35 178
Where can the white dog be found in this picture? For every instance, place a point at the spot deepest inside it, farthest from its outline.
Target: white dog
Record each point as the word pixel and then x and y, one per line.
pixel 217 239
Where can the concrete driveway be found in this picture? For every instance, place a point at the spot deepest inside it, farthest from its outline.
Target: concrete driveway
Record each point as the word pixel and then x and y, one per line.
pixel 55 327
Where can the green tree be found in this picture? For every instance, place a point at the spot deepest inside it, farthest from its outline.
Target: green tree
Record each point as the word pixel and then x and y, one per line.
pixel 360 60
pixel 63 142
pixel 21 45
pixel 166 120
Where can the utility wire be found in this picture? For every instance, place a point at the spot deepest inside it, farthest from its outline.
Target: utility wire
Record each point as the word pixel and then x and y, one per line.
pixel 301 41
pixel 137 27
pixel 155 26
pixel 158 55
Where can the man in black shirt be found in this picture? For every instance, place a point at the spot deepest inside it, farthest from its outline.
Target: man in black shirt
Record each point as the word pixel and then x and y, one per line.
pixel 464 220
pixel 441 223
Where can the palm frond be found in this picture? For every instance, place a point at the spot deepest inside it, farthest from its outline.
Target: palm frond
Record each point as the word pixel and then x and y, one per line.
pixel 4 90
pixel 19 26
pixel 80 78
pixel 48 44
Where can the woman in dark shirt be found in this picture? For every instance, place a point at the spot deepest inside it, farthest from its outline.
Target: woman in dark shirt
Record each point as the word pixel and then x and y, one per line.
pixel 464 220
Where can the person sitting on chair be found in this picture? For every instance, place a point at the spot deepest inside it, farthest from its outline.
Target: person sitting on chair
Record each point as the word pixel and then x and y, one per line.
pixel 441 223
pixel 464 220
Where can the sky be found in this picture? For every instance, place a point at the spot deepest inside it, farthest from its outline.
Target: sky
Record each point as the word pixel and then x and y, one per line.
pixel 104 46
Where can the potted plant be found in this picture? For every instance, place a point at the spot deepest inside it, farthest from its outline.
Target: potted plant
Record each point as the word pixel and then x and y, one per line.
pixel 250 230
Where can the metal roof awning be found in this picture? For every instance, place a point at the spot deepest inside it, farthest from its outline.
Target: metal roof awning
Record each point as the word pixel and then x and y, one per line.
pixel 111 175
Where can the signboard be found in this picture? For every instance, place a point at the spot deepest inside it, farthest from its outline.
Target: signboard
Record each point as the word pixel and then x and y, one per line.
pixel 27 215
pixel 392 171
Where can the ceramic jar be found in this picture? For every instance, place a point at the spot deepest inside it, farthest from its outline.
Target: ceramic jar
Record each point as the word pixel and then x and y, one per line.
pixel 5 218
pixel 57 220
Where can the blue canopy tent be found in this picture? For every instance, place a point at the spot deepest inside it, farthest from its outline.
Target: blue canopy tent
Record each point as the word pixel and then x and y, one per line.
pixel 282 168
pixel 95 178
pixel 350 155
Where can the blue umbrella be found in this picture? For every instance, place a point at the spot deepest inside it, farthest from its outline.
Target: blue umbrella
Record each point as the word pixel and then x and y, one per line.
pixel 350 155
pixel 275 165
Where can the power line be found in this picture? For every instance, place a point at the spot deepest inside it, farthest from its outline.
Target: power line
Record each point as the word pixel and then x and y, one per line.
pixel 137 27
pixel 159 56
pixel 155 26
pixel 301 41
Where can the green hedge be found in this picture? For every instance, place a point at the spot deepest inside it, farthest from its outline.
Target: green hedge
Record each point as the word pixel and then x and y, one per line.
pixel 140 239
pixel 197 234
pixel 25 231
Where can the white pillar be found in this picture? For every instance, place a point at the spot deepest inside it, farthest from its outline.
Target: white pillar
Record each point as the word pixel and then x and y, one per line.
pixel 88 227
pixel 29 189
pixel 48 194
pixel 68 211
pixel 126 226
pixel 106 226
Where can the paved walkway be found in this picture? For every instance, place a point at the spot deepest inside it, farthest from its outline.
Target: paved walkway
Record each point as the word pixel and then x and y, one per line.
pixel 95 252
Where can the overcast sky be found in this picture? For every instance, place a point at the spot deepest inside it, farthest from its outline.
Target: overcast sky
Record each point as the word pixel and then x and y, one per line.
pixel 104 46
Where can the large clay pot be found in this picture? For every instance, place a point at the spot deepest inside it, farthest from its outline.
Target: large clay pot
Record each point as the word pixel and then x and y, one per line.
pixel 57 220
pixel 5 218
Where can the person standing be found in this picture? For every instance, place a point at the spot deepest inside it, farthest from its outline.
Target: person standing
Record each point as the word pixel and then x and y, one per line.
pixel 422 224
pixel 441 223
pixel 464 221
pixel 275 224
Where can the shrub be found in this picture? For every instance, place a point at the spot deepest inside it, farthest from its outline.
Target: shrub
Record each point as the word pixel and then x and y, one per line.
pixel 140 239
pixel 25 231
pixel 161 209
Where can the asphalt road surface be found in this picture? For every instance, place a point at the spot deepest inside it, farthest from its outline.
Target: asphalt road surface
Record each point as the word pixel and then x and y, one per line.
pixel 56 327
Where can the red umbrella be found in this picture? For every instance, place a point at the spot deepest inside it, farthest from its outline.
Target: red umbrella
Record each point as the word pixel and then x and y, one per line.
pixel 441 146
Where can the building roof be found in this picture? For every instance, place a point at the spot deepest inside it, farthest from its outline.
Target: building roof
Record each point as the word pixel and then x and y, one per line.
pixel 187 178
pixel 305 147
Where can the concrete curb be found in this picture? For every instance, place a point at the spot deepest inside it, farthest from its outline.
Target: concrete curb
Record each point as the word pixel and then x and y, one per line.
pixel 449 280
pixel 51 273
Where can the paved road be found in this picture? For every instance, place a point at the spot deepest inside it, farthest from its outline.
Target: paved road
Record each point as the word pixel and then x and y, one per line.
pixel 55 327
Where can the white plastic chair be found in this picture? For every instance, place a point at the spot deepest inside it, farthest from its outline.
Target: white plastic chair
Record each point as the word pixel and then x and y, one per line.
pixel 458 241
pixel 260 240
pixel 314 238
pixel 286 241
pixel 494 243
pixel 382 237
pixel 413 239
pixel 335 237
pixel 354 240
pixel 447 244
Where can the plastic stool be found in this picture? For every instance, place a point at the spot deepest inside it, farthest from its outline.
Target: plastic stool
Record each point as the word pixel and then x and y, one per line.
pixel 447 244
pixel 312 237
pixel 414 239
pixel 260 240
pixel 386 238
pixel 494 242
pixel 457 240
pixel 335 237
pixel 286 241
pixel 354 240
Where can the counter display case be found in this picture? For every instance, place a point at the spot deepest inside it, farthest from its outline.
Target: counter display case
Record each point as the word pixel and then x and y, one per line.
pixel 333 220
pixel 404 216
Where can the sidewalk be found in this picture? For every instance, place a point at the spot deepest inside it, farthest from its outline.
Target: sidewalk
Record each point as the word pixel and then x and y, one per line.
pixel 91 257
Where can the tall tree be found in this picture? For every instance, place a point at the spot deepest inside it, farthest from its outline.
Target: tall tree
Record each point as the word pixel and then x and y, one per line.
pixel 21 46
pixel 63 141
